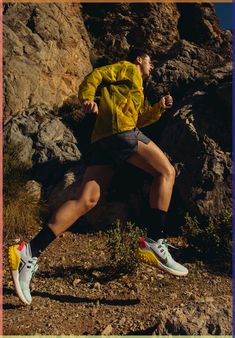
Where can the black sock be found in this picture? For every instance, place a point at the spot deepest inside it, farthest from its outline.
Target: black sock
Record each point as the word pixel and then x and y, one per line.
pixel 157 224
pixel 41 241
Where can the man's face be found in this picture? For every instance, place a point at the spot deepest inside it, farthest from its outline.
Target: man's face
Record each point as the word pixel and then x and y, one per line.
pixel 145 66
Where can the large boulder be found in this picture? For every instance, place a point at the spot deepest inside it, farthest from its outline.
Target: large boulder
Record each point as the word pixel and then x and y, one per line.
pixel 42 135
pixel 202 318
pixel 201 154
pixel 45 55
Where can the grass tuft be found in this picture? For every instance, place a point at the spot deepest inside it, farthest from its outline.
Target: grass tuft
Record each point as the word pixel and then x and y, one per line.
pixel 212 239
pixel 121 243
pixel 20 209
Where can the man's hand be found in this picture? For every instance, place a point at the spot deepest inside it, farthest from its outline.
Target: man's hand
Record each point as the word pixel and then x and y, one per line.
pixel 166 101
pixel 90 107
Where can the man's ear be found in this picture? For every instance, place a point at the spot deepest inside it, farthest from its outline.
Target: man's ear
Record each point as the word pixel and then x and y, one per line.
pixel 139 60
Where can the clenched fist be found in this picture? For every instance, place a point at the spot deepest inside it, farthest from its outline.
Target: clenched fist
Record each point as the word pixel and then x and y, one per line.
pixel 90 107
pixel 166 101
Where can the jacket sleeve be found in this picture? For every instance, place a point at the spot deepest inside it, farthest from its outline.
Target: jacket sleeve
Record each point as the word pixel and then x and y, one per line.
pixel 91 82
pixel 149 114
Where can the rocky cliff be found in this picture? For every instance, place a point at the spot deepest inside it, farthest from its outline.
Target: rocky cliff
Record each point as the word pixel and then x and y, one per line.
pixel 46 55
pixel 49 48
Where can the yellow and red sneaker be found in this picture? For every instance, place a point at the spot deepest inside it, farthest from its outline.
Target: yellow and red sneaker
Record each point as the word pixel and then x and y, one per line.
pixel 157 254
pixel 22 266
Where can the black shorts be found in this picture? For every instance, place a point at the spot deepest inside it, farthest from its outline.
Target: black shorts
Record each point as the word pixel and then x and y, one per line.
pixel 115 149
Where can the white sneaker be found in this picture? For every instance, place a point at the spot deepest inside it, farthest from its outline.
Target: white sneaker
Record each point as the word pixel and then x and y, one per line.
pixel 157 254
pixel 22 266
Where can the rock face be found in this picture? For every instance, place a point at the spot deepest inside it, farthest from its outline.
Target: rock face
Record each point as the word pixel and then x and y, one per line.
pixel 204 319
pixel 46 55
pixel 151 25
pixel 42 135
pixel 45 63
pixel 202 157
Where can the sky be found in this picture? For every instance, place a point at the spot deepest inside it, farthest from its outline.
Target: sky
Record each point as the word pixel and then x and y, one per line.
pixel 224 13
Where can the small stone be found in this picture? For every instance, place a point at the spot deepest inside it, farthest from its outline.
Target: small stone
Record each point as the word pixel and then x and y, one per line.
pixel 149 270
pixel 209 299
pixel 76 282
pixel 174 296
pixel 96 273
pixel 124 277
pixel 142 326
pixel 107 331
pixel 160 276
pixel 97 286
pixel 94 311
pixel 122 321
pixel 9 284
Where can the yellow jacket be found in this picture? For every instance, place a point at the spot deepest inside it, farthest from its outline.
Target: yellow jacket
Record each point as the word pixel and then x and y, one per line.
pixel 122 105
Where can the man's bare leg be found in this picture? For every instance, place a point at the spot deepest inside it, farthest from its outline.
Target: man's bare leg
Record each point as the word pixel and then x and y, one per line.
pixel 23 257
pixel 95 181
pixel 151 159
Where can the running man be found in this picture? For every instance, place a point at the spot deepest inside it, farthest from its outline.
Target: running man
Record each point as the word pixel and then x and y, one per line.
pixel 115 139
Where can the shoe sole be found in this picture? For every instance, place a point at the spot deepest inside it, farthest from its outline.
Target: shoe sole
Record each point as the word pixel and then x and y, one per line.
pixel 149 258
pixel 14 263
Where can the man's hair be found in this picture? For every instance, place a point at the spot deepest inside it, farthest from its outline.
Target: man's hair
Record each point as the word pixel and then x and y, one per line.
pixel 135 52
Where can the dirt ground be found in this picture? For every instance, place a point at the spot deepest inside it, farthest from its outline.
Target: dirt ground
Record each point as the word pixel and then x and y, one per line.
pixel 77 292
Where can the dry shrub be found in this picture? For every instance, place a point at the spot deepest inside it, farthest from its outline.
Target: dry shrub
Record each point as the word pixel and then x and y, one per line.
pixel 20 210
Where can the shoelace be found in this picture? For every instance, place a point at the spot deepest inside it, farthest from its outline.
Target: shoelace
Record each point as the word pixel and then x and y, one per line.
pixel 34 265
pixel 164 248
pixel 34 269
pixel 167 244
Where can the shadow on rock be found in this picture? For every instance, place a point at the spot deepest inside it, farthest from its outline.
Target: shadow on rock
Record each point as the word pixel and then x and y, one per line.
pixel 51 172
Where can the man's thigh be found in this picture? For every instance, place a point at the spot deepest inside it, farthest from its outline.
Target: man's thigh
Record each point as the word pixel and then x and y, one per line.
pixel 150 158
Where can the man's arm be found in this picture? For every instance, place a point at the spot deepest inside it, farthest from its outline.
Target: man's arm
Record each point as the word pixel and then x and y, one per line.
pixel 153 113
pixel 88 89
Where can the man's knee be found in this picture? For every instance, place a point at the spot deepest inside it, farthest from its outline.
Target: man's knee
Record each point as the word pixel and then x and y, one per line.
pixel 168 173
pixel 89 202
pixel 171 173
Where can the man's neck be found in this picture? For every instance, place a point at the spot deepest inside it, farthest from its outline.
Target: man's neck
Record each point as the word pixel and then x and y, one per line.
pixel 139 69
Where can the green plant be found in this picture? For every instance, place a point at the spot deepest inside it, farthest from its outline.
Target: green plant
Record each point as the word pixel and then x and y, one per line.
pixel 121 243
pixel 20 210
pixel 212 238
